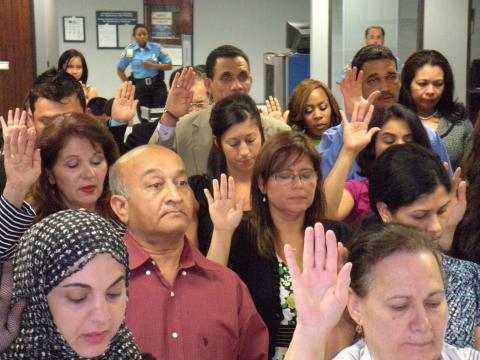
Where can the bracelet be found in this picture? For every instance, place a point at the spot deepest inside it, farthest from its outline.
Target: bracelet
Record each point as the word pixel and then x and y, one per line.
pixel 169 113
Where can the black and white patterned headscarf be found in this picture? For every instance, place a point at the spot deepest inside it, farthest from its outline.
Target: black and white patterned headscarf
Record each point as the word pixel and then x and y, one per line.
pixel 50 251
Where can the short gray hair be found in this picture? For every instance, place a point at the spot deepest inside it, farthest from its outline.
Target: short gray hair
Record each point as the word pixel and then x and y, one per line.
pixel 115 180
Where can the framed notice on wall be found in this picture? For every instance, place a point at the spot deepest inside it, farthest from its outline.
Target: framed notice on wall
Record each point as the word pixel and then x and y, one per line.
pixel 74 28
pixel 171 24
pixel 114 28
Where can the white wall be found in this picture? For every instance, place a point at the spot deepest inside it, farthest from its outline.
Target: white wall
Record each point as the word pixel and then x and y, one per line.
pixel 102 73
pixel 475 40
pixel 319 39
pixel 46 35
pixel 349 20
pixel 252 25
pixel 446 30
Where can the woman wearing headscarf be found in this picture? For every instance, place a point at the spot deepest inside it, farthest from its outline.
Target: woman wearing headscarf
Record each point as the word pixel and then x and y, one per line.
pixel 73 268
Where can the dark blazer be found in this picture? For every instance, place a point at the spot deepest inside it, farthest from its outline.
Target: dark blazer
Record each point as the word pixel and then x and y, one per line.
pixel 140 135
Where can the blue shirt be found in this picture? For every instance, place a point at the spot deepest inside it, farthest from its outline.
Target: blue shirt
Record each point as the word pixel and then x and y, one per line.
pixel 332 142
pixel 134 55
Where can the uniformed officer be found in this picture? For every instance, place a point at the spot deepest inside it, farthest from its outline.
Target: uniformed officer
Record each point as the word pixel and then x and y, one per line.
pixel 148 62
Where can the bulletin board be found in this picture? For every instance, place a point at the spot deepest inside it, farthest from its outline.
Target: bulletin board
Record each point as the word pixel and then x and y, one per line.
pixel 74 29
pixel 114 28
pixel 171 24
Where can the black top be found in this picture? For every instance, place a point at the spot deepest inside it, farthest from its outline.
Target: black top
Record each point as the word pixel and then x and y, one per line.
pixel 257 272
pixel 140 135
pixel 118 133
pixel 205 225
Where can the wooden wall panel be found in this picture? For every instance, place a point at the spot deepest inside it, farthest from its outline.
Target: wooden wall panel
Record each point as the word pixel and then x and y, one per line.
pixel 17 47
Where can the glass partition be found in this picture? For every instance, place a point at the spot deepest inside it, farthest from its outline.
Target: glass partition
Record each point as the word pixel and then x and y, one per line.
pixel 401 20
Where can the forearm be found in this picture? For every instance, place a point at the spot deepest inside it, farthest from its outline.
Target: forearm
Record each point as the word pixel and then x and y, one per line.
pixel 163 67
pixel 220 245
pixel 307 344
pixel 15 193
pixel 334 184
pixel 121 74
pixel 13 223
pixel 168 118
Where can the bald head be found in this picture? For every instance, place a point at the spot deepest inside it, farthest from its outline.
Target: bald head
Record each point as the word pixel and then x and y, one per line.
pixel 129 162
pixel 150 193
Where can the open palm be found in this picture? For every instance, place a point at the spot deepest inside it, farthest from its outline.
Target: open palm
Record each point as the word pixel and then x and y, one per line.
pixel 356 134
pixel 320 293
pixel 225 212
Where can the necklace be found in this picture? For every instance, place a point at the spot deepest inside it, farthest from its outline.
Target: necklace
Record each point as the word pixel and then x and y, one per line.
pixel 434 114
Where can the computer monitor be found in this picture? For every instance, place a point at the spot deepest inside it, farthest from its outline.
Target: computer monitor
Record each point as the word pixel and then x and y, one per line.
pixel 298 37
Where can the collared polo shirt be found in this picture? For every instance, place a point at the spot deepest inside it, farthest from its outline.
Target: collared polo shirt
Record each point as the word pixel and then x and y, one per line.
pixel 207 313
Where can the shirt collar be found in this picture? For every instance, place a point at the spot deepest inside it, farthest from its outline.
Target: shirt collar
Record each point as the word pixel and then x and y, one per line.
pixel 137 47
pixel 137 256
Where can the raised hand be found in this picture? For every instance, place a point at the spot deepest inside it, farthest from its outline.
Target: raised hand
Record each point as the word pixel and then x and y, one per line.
pixel 456 209
pixel 22 160
pixel 124 106
pixel 225 212
pixel 274 109
pixel 180 95
pixel 351 87
pixel 356 134
pixel 320 292
pixel 9 316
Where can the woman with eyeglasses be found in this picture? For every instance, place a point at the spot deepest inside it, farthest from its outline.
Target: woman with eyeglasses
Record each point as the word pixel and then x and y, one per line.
pixel 286 197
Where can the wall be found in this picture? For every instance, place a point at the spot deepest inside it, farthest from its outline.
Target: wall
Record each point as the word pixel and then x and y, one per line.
pixel 407 28
pixel 446 30
pixel 254 26
pixel 319 39
pixel 475 39
pixel 102 72
pixel 46 35
pixel 349 20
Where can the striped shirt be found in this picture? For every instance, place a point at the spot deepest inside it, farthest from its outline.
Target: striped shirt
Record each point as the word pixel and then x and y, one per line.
pixel 14 222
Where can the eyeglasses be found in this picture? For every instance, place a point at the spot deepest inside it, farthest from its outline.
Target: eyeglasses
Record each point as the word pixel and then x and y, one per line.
pixel 287 178
pixel 198 105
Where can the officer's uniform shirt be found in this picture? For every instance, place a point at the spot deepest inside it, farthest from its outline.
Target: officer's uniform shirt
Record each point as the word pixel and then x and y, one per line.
pixel 134 55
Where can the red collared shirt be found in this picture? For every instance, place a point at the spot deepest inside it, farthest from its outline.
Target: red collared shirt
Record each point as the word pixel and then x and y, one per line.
pixel 207 313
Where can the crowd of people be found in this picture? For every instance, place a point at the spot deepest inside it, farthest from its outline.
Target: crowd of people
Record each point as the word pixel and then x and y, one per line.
pixel 311 233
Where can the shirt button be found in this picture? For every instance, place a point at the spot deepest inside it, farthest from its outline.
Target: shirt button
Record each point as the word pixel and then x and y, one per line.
pixel 184 273
pixel 172 294
pixel 148 272
pixel 174 335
